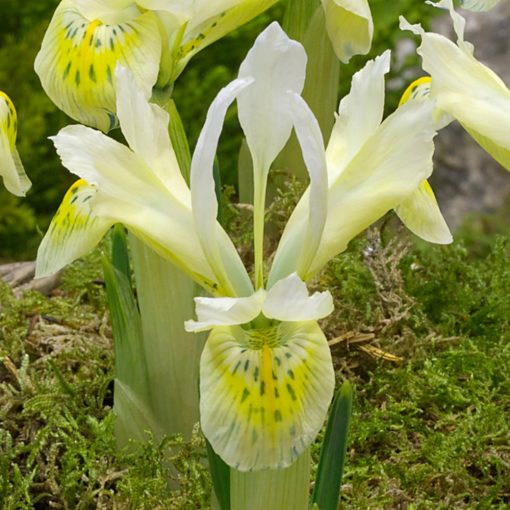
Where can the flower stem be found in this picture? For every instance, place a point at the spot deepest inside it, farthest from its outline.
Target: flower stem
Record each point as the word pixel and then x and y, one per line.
pixel 259 208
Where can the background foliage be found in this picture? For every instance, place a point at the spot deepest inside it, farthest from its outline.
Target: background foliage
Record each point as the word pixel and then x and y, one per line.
pixel 22 27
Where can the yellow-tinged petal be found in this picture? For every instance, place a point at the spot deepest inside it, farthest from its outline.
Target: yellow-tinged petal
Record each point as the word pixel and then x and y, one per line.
pixel 350 27
pixel 78 57
pixel 73 232
pixel 264 393
pixel 11 168
pixel 464 87
pixel 213 20
pixel 420 213
pixel 500 154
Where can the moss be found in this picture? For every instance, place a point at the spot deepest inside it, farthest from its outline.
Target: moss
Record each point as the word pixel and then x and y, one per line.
pixel 430 426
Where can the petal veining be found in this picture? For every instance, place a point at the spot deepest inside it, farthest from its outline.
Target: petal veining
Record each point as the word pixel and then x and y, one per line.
pixel 264 394
pixel 76 63
pixel 73 232
pixel 11 168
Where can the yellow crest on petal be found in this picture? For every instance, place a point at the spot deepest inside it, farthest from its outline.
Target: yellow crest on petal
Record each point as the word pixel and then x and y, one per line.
pixel 11 168
pixel 418 90
pixel 264 393
pixel 8 119
pixel 78 57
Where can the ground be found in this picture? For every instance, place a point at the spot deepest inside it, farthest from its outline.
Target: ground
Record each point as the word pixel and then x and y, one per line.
pixel 423 333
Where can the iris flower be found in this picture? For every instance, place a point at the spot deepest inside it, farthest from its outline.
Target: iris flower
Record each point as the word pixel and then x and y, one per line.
pixel 11 168
pixel 153 38
pixel 463 89
pixel 266 376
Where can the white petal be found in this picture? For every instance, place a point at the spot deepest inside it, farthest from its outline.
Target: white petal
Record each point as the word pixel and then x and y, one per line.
pixel 420 213
pixel 350 27
pixel 288 300
pixel 312 146
pixel 278 65
pixel 264 394
pixel 419 90
pixel 129 193
pixel 145 127
pixel 225 311
pixel 390 166
pixel 205 204
pixel 73 232
pixel 359 114
pixel 465 88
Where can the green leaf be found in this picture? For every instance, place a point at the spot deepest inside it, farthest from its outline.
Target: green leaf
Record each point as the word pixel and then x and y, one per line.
pixel 220 474
pixel 131 377
pixel 179 140
pixel 331 464
pixel 120 253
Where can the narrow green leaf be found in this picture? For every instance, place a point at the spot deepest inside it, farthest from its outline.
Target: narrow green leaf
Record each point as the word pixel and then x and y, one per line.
pixel 131 377
pixel 220 474
pixel 120 253
pixel 179 140
pixel 331 464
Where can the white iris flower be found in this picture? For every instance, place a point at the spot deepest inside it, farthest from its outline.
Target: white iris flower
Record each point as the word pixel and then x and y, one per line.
pixel 266 374
pixel 463 89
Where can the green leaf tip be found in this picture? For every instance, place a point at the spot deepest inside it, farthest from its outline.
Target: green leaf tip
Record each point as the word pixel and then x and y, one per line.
pixel 332 459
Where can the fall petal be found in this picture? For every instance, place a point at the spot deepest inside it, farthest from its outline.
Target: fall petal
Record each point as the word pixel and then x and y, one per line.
pixel 264 394
pixel 74 231
pixel 78 56
pixel 420 213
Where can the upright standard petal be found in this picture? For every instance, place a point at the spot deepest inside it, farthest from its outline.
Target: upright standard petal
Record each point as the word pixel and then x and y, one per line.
pixel 219 250
pixel 264 393
pixel 359 113
pixel 350 27
pixel 277 65
pixel 74 230
pixel 388 167
pixel 11 168
pixel 77 60
pixel 312 146
pixel 145 127
pixel 464 87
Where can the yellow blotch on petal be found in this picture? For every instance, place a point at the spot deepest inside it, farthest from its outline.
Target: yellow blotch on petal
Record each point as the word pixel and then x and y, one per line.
pixel 264 392
pixel 78 57
pixel 11 168
pixel 418 90
pixel 73 232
